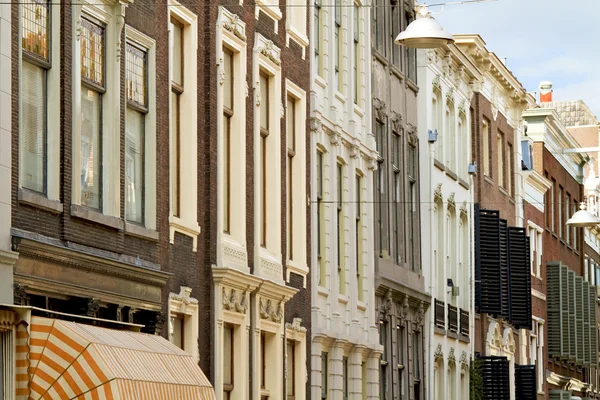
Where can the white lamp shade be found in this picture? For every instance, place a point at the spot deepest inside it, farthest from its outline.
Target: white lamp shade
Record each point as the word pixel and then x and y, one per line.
pixel 583 218
pixel 424 33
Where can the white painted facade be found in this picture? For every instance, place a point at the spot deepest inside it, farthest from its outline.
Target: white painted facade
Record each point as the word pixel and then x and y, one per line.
pixel 447 213
pixel 7 257
pixel 345 348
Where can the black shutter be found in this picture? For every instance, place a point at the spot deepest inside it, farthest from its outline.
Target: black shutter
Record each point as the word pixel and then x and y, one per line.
pixel 504 269
pixel 496 384
pixel 525 382
pixel 487 261
pixel 520 278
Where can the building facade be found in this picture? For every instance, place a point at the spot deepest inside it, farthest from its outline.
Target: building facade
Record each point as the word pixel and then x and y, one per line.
pixel 345 348
pixel 401 298
pixel 446 79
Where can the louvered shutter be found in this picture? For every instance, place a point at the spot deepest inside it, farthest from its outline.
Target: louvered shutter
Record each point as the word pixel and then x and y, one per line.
pixel 586 345
pixel 579 358
pixel 525 382
pixel 520 278
pixel 560 395
pixel 487 261
pixel 593 339
pixel 504 271
pixel 556 345
pixel 572 317
pixel 496 384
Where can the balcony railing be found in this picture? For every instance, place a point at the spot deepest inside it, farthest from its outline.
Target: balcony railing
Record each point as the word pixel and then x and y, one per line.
pixel 440 311
pixel 452 318
pixel 464 322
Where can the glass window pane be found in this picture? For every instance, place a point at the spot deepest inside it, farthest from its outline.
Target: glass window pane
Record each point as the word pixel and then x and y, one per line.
pixel 177 52
pixel 177 331
pixel 227 171
pixel 264 98
pixel 135 73
pixel 36 28
pixel 291 124
pixel 174 149
pixel 92 51
pixel 91 162
pixel 134 166
pixel 228 355
pixel 289 383
pixel 33 128
pixel 228 84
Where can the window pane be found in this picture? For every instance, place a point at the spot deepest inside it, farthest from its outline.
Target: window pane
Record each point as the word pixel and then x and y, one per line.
pixel 289 383
pixel 174 153
pixel 91 162
pixel 36 28
pixel 291 123
pixel 92 51
pixel 134 166
pixel 177 331
pixel 33 128
pixel 177 52
pixel 228 84
pixel 228 355
pixel 135 74
pixel 264 98
pixel 227 171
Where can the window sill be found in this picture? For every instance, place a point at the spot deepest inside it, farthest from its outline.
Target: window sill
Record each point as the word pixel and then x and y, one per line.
pixel 439 331
pixel 323 291
pixel 342 299
pixel 502 190
pixel 297 268
pixel 452 334
pixel 439 165
pixel 319 80
pixel 140 231
pixel 359 111
pixel 488 179
pixel 464 184
pixel 451 174
pixel 176 224
pixel 40 201
pixel 397 73
pixel 340 96
pixel 380 57
pixel 361 305
pixel 412 86
pixel 96 217
pixel 463 338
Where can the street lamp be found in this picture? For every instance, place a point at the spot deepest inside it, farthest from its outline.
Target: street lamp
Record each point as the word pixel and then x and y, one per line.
pixel 424 33
pixel 583 218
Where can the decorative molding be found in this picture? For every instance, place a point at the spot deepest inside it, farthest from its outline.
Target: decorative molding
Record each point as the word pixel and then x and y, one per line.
pixel 120 25
pixel 234 24
pixel 459 75
pixel 437 194
pixel 464 363
pixel 450 96
pixel 316 125
pixel 296 325
pixel 183 295
pixel 335 138
pixel 8 319
pixel 461 109
pixel 221 72
pixel 386 305
pixel 451 358
pixel 247 90
pixel 380 109
pixel 396 120
pixel 234 301
pixel 420 314
pixel 20 294
pixel 268 312
pixel 403 310
pixel 437 87
pixel 281 110
pixel 438 355
pixel 464 213
pixel 268 49
pixel 257 99
pixel 451 202
pixel 413 138
pixel 92 307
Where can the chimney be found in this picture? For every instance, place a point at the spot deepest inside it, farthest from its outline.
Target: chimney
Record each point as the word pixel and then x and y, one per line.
pixel 545 92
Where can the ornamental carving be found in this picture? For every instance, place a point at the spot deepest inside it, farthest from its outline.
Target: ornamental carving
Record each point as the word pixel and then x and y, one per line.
pixel 420 314
pixel 296 325
pixel 335 138
pixel 460 73
pixel 396 122
pixel 354 151
pixel 451 202
pixel 437 87
pixel 234 25
pixel 316 125
pixel 270 51
pixel 20 294
pixel 222 74
pixel 438 355
pixel 183 295
pixel 8 318
pixel 451 358
pixel 92 307
pixel 257 93
pixel 461 109
pixel 120 26
pixel 413 138
pixel 386 305
pixel 269 312
pixel 403 310
pixel 235 301
pixel 437 194
pixel 450 96
pixel 463 210
pixel 380 107
pixel 463 360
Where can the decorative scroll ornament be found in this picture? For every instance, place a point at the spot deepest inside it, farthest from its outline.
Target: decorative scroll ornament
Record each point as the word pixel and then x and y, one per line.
pixel 371 163
pixel 335 138
pixel 437 87
pixel 396 122
pixel 386 305
pixel 380 112
pixel 458 76
pixel 8 318
pixel 20 294
pixel 461 109
pixel 463 360
pixel 221 73
pixel 268 312
pixel 354 150
pixel 420 314
pixel 451 357
pixel 451 202
pixel 404 308
pixel 316 125
pixel 463 210
pixel 437 194
pixel 450 96
pixel 270 51
pixel 257 93
pixel 234 301
pixel 235 26
pixel 296 325
pixel 120 26
pixel 438 355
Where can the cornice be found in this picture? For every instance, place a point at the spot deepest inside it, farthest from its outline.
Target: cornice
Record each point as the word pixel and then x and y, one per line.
pixel 537 181
pixel 235 279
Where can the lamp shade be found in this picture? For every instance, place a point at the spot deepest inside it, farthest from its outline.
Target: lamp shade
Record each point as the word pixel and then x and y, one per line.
pixel 583 218
pixel 424 33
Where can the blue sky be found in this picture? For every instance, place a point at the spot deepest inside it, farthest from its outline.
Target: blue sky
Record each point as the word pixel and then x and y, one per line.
pixel 553 40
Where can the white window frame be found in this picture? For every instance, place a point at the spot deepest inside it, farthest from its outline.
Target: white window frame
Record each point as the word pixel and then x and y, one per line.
pixel 270 9
pixel 187 222
pixel 52 118
pixel 296 24
pixel 539 364
pixel 295 332
pixel 149 44
pixel 535 244
pixel 231 247
pixel 268 259
pixel 299 264
pixel 113 18
pixel 182 304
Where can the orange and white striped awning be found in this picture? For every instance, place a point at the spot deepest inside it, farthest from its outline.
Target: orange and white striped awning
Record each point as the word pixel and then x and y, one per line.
pixel 58 359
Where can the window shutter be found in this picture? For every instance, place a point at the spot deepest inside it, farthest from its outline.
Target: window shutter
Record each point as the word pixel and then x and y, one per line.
pixel 560 395
pixel 572 317
pixel 564 306
pixel 525 382
pixel 487 260
pixel 556 344
pixel 579 320
pixel 504 270
pixel 593 339
pixel 586 345
pixel 519 278
pixel 494 371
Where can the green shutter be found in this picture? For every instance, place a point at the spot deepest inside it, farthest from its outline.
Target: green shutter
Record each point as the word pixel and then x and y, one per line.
pixel 556 344
pixel 572 317
pixel 579 357
pixel 593 338
pixel 586 324
pixel 564 307
pixel 560 395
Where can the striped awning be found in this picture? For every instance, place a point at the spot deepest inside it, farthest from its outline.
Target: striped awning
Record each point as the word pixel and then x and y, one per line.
pixel 66 360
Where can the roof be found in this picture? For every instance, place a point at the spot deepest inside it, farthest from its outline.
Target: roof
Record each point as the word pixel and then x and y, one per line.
pixel 573 113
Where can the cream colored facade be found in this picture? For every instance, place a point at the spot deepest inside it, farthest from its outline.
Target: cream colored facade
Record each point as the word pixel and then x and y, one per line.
pixel 445 77
pixel 345 349
pixel 7 257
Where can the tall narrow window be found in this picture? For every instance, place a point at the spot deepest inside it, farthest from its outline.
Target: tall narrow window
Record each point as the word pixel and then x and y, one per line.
pixel 176 92
pixel 291 152
pixel 500 150
pixel 320 222
pixel 35 43
pixel 324 375
pixel 228 100
pixel 383 378
pixel 401 358
pixel 359 240
pixel 93 87
pixel 485 133
pixel 417 365
pixel 228 346
pixel 413 215
pixel 509 169
pixel 397 192
pixel 356 61
pixel 560 212
pixel 345 377
pixel 451 135
pixel 395 15
pixel 411 54
pixel 137 108
pixel 575 242
pixel 263 361
pixel 380 24
pixel 380 205
pixel 568 210
pixel 264 134
pixel 553 205
pixel 340 230
pixel 338 43
pixel 290 381
pixel 317 33
pixel 461 159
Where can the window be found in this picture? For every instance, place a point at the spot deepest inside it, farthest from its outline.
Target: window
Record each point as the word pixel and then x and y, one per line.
pixel 395 30
pixel 418 365
pixel 383 378
pixel 320 222
pixel 396 197
pixel 291 370
pixel 136 75
pixel 264 134
pixel 345 377
pixel 535 249
pixel 177 74
pixel 462 155
pixel 324 375
pixel 36 46
pixel 228 356
pixel 291 152
pixel 451 137
pixel 568 209
pixel 401 358
pixel 485 133
pixel 380 185
pixel 340 229
pixel 509 169
pixel 413 211
pixel 317 32
pixel 560 212
pixel 338 43
pixel 553 205
pixel 380 24
pixel 536 351
pixel 359 240
pixel 263 361
pixel 228 100
pixel 93 87
pixel 357 57
pixel 574 229
pixel 500 149
pixel 177 330
pixel 438 124
pixel 411 54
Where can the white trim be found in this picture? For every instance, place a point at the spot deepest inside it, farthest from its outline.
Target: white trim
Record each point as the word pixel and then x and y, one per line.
pixel 270 10
pixel 187 306
pixel 538 294
pixel 296 24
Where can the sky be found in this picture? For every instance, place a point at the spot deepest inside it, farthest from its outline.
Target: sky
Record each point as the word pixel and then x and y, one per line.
pixel 554 40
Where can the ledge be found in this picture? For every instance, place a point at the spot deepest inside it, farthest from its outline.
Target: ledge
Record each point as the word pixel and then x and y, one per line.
pixel 439 164
pixel 412 86
pixel 439 330
pixel 452 334
pixel 140 231
pixel 96 217
pixel 451 174
pixel 464 184
pixel 343 299
pixel 340 96
pixel 397 73
pixel 488 179
pixel 40 201
pixel 463 338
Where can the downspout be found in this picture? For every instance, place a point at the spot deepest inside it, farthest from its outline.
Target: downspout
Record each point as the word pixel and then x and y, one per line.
pixel 251 343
